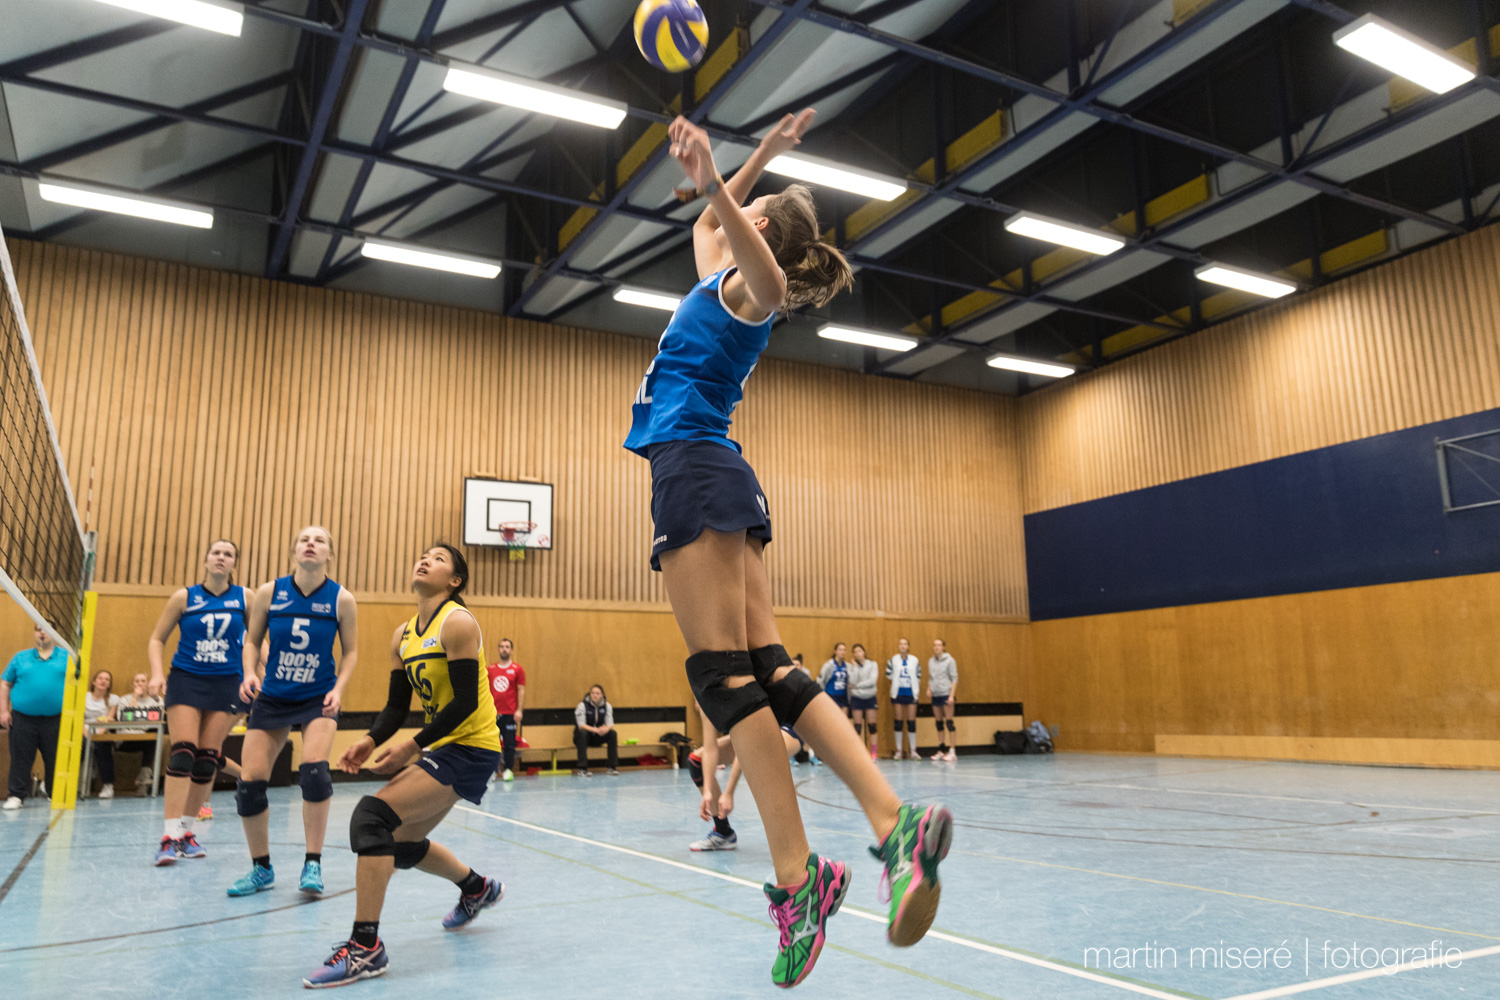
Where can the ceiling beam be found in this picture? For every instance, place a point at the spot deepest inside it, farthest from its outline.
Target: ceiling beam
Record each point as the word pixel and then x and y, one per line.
pixel 328 99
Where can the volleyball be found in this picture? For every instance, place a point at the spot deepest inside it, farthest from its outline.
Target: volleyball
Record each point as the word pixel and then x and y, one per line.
pixel 671 34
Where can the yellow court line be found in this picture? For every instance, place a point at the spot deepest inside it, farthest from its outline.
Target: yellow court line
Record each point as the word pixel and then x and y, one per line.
pixel 1226 892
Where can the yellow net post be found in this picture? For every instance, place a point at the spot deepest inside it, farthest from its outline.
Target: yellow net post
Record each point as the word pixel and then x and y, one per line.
pixel 70 729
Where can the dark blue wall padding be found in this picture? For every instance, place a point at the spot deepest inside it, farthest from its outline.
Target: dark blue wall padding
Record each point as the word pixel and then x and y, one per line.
pixel 1351 515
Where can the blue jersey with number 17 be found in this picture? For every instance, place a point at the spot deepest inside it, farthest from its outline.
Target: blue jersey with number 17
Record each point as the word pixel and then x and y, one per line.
pixel 698 377
pixel 302 628
pixel 212 632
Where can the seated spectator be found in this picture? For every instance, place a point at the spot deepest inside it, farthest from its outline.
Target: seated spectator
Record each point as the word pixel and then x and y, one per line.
pixel 594 726
pixel 99 706
pixel 139 698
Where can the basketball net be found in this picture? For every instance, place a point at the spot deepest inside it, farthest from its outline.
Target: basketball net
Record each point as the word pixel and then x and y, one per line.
pixel 514 535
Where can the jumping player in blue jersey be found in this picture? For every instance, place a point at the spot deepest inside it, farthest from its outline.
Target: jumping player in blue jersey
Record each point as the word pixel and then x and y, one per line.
pixel 202 691
pixel 302 613
pixel 712 522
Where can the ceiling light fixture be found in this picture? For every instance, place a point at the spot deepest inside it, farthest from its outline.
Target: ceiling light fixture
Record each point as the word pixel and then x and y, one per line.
pixel 532 95
pixel 140 208
pixel 1403 53
pixel 398 254
pixel 1040 227
pixel 649 299
pixel 1031 366
pixel 867 338
pixel 821 172
pixel 1245 281
pixel 226 19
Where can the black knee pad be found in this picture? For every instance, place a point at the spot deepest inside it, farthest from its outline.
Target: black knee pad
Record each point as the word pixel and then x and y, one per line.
pixel 180 763
pixel 708 674
pixel 791 695
pixel 765 661
pixel 911 726
pixel 950 724
pixel 205 765
pixel 872 728
pixel 409 855
pixel 316 781
pixel 372 828
pixel 250 798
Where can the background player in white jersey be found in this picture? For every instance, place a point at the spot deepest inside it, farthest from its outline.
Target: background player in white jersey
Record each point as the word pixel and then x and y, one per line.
pixel 302 613
pixel 904 671
pixel 202 692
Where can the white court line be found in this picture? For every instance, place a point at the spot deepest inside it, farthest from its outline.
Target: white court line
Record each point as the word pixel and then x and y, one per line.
pixel 1295 798
pixel 853 911
pixel 1354 977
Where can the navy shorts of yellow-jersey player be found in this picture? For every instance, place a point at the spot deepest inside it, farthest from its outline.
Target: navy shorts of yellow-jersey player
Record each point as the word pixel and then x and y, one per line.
pixel 697 485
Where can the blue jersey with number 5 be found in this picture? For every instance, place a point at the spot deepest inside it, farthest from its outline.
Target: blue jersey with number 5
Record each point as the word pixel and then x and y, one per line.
pixel 302 628
pixel 212 633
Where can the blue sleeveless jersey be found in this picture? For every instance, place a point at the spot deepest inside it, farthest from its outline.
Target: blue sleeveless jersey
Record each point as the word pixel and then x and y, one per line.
pixel 698 377
pixel 212 633
pixel 302 628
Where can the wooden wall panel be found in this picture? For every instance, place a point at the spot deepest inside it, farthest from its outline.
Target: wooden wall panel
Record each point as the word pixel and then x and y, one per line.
pixel 636 654
pixel 207 404
pixel 1405 661
pixel 1411 342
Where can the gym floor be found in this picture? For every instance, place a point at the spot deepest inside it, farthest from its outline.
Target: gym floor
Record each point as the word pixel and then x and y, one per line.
pixel 1073 876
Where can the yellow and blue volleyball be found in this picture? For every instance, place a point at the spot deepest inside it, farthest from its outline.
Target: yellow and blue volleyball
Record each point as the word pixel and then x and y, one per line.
pixel 671 34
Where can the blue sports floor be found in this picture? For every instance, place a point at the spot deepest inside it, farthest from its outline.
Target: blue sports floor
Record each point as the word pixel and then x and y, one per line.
pixel 1072 877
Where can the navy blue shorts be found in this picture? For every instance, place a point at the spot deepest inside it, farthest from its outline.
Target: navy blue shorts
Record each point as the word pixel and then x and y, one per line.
pixel 702 484
pixel 465 769
pixel 863 704
pixel 205 692
pixel 267 712
pixel 939 700
pixel 801 743
pixel 904 699
pixel 840 699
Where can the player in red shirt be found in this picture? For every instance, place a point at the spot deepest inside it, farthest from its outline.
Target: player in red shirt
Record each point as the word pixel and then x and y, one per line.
pixel 508 688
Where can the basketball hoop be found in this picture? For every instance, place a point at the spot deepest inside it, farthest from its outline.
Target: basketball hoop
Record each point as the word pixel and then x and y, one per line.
pixel 515 534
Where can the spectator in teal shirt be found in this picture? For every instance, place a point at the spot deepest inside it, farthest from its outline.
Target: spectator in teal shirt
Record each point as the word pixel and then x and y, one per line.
pixel 31 697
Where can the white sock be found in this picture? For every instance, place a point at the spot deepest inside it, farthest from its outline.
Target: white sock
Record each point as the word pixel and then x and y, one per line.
pixel 172 828
pixel 898 740
pixel 187 824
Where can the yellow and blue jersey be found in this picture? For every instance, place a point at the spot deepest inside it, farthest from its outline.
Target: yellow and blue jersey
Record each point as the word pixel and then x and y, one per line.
pixel 426 664
pixel 698 377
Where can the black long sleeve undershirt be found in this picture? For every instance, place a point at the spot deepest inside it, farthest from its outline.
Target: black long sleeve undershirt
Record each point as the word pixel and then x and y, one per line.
pixel 397 704
pixel 463 676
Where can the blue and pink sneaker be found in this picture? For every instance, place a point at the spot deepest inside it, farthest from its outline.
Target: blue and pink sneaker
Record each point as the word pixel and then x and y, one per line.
pixel 167 853
pixel 911 853
pixel 190 847
pixel 469 906
pixel 800 913
pixel 349 963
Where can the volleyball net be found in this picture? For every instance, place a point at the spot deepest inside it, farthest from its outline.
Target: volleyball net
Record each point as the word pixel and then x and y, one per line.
pixel 45 556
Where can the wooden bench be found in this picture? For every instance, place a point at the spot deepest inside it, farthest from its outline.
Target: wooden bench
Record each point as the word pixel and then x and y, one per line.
pixel 549 731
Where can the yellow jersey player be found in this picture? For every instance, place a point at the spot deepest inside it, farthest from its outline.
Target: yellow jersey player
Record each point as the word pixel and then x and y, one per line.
pixel 439 654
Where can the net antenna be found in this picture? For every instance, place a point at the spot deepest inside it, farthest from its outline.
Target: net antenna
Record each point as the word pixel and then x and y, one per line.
pixel 45 555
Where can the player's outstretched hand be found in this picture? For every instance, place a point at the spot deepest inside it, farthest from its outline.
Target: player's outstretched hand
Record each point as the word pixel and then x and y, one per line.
pixel 356 755
pixel 394 757
pixel 789 132
pixel 689 145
